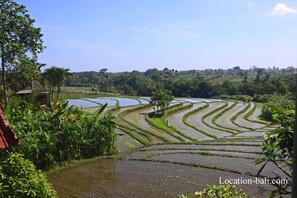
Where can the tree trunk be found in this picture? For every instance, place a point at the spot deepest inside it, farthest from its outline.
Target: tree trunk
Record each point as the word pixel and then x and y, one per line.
pixel 3 76
pixel 58 91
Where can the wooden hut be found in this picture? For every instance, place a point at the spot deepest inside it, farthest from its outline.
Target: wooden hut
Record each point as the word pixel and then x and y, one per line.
pixel 7 137
pixel 41 93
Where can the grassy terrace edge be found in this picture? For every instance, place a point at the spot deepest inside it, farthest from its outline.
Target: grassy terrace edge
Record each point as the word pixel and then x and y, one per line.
pixel 122 115
pixel 170 129
pixel 184 119
pixel 227 129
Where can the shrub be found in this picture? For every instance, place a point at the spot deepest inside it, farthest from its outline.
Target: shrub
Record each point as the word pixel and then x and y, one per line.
pixel 278 149
pixel 60 134
pixel 19 178
pixel 280 101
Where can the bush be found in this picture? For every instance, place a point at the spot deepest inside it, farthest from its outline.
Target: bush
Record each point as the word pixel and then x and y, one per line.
pixel 60 134
pixel 227 191
pixel 278 149
pixel 19 178
pixel 262 98
pixel 284 102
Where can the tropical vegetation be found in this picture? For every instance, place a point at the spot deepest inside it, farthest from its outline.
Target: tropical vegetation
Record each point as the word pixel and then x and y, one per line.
pixel 76 134
pixel 19 178
pixel 19 39
pixel 278 144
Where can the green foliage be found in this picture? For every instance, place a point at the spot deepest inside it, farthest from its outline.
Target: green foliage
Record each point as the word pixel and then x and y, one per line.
pixel 19 178
pixel 278 146
pixel 159 123
pixel 204 84
pixel 60 134
pixel 24 71
pixel 161 98
pixel 262 98
pixel 18 37
pixel 280 101
pixel 55 77
pixel 226 191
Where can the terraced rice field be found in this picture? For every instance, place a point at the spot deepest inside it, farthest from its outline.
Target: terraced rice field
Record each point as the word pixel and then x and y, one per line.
pixel 194 144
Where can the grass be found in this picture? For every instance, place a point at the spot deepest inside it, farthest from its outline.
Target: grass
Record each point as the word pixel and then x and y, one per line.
pixel 124 113
pixel 169 129
pixel 160 124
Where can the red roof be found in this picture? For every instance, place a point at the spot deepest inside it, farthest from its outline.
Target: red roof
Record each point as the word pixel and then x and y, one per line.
pixel 7 136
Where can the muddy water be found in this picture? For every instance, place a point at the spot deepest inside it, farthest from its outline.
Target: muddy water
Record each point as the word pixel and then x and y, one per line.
pixel 124 178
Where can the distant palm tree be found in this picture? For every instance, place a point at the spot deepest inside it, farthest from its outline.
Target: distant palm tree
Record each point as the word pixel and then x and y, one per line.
pixel 55 77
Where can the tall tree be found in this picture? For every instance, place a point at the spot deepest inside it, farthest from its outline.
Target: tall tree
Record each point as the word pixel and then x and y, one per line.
pixel 103 79
pixel 55 77
pixel 18 37
pixel 23 72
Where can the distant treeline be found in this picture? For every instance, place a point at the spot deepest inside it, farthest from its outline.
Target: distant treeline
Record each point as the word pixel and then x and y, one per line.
pixel 192 83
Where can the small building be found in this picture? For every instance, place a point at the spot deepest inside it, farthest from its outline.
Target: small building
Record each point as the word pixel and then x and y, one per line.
pixel 7 137
pixel 34 87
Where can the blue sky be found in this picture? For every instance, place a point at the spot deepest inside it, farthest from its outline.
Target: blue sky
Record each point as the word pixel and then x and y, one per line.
pixel 126 35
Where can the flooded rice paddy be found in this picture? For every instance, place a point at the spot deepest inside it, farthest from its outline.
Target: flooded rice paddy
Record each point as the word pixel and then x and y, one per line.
pixel 197 145
pixel 158 173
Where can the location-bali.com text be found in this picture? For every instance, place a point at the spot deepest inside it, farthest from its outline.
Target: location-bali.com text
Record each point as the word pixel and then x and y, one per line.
pixel 255 180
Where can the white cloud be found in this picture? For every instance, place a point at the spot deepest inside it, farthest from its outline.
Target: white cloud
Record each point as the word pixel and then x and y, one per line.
pixel 282 9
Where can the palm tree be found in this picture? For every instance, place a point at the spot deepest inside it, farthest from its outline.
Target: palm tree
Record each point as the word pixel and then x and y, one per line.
pixel 55 77
pixel 62 74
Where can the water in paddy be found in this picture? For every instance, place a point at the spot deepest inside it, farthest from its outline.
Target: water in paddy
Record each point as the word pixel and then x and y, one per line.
pixel 81 103
pixel 127 101
pixel 125 178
